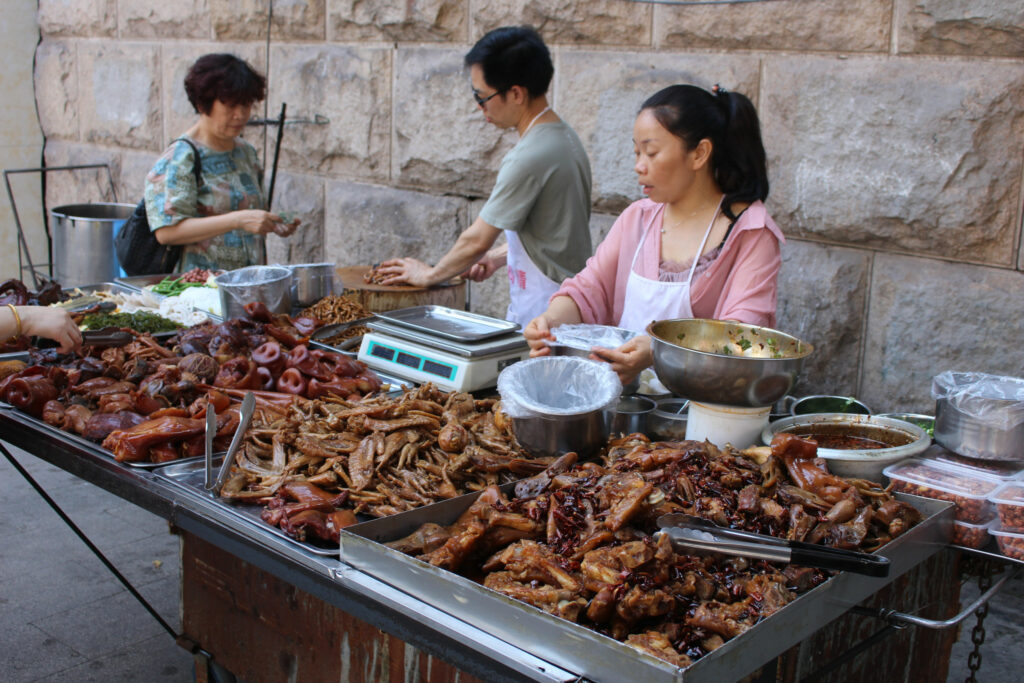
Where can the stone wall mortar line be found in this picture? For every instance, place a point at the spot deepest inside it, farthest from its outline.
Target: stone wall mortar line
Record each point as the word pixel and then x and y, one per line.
pixel 1020 221
pixel 911 254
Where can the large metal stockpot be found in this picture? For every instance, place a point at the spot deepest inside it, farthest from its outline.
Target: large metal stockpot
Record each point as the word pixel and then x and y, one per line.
pixel 729 363
pixel 980 416
pixel 83 241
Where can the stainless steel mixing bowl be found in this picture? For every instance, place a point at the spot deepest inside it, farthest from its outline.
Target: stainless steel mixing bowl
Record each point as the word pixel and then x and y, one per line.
pixel 725 362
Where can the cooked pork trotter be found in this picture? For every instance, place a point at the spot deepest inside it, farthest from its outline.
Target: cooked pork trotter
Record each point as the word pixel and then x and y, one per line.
pixel 133 444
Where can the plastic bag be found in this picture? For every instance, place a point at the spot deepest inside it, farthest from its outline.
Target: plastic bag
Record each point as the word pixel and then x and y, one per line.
pixel 557 385
pixel 588 336
pixel 994 400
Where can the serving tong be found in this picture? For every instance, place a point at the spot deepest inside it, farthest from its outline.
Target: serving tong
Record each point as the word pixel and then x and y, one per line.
pixel 245 413
pixel 695 533
pixel 108 336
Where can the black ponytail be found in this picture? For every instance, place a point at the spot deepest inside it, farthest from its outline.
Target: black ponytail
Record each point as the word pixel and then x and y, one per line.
pixel 729 120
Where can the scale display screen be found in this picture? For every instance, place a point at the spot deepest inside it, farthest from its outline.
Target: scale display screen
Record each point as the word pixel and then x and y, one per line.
pixel 412 360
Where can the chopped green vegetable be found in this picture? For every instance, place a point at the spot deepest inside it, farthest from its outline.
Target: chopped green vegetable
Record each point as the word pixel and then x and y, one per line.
pixel 726 350
pixel 141 321
pixel 744 343
pixel 174 286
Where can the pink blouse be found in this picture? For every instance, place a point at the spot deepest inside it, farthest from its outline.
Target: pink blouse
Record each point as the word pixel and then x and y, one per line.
pixel 740 284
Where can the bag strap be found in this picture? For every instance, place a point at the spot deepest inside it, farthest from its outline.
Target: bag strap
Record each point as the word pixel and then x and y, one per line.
pixel 198 164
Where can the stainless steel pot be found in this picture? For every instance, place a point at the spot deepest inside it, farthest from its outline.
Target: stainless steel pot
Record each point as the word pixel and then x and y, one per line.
pixel 631 415
pixel 311 282
pixel 967 435
pixel 83 241
pixel 729 363
pixel 551 435
pixel 270 285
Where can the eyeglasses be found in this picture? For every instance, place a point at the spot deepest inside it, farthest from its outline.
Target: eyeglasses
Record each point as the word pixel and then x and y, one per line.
pixel 481 101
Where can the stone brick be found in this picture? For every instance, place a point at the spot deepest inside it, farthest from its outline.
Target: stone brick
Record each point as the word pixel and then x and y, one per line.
pixel 822 300
pixel 930 316
pixel 441 139
pixel 413 20
pixel 56 89
pixel 176 60
pixel 119 94
pixel 130 180
pixel 161 19
pixel 247 20
pixel 352 88
pixel 305 196
pixel 585 22
pixel 914 158
pixel 367 224
pixel 600 93
pixel 849 26
pixel 82 186
pixel 961 27
pixel 92 18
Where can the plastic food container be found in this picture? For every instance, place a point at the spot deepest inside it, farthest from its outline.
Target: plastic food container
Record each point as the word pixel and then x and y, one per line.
pixel 1009 500
pixel 1010 544
pixel 723 425
pixel 968 490
pixel 971 535
pixel 992 468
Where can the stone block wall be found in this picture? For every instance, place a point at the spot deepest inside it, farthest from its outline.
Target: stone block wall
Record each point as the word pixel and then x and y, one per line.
pixel 894 129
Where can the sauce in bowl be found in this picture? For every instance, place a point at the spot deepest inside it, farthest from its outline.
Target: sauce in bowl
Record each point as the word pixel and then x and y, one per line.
pixel 852 437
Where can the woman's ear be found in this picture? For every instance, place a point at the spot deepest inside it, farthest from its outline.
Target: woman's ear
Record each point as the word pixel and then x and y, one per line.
pixel 702 154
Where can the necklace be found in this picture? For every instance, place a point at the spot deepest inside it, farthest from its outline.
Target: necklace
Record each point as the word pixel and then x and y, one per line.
pixel 543 111
pixel 680 221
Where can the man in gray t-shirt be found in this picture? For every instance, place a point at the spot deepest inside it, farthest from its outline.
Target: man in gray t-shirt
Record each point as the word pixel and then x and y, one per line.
pixel 541 198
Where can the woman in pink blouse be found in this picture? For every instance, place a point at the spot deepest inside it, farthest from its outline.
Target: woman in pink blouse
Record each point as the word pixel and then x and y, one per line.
pixel 700 245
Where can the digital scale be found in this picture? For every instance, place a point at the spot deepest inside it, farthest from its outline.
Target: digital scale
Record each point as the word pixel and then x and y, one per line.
pixel 456 350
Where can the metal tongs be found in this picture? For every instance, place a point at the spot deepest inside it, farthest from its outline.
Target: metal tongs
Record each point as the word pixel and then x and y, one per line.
pixel 246 412
pixel 108 336
pixel 695 533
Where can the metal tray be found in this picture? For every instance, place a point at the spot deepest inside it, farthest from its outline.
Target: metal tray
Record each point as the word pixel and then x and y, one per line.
pixel 81 442
pixel 336 328
pixel 105 287
pixel 191 476
pixel 449 323
pixel 598 657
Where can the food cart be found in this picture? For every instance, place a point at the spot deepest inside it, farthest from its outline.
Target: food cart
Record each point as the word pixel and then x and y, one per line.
pixel 269 607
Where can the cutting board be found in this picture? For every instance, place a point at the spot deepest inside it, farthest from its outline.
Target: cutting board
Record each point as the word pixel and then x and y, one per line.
pixel 380 298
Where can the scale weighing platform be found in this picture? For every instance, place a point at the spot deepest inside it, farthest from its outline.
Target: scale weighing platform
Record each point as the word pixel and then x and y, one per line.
pixel 456 350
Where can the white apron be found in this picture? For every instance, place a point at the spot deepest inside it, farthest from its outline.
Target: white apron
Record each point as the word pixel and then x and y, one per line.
pixel 647 300
pixel 529 289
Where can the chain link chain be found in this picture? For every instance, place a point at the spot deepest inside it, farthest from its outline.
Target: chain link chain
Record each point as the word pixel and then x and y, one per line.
pixel 978 632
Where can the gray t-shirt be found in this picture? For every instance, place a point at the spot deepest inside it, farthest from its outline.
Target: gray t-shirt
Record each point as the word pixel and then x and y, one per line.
pixel 543 194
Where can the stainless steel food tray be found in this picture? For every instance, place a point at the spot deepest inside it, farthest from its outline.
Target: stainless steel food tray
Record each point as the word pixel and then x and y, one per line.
pixel 105 287
pixel 190 476
pixel 598 657
pixel 449 323
pixel 81 442
pixel 337 328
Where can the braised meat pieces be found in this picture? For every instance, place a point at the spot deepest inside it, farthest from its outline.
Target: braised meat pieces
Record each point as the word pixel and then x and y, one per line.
pixel 578 540
pixel 378 457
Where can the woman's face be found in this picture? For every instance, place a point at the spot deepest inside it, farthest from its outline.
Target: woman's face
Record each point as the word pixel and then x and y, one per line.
pixel 664 167
pixel 228 120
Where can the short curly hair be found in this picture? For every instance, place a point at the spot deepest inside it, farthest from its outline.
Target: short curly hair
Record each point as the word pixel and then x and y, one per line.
pixel 223 77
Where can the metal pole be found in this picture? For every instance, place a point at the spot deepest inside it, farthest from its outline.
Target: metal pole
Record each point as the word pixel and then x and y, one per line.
pixel 277 153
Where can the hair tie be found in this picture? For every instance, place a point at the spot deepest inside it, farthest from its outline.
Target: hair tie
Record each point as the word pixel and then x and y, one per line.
pixel 717 90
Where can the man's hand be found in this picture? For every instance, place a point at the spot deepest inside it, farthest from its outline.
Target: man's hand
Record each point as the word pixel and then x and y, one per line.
pixel 407 271
pixel 629 359
pixel 488 265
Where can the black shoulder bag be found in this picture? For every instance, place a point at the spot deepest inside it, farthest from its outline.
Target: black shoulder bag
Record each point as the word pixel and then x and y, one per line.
pixel 137 249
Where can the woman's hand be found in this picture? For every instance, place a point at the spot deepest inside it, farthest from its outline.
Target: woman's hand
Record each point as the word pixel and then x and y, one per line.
pixel 538 333
pixel 629 359
pixel 52 323
pixel 284 227
pixel 406 271
pixel 257 221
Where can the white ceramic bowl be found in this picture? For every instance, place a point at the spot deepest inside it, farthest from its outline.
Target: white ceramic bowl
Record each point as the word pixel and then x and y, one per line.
pixel 866 463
